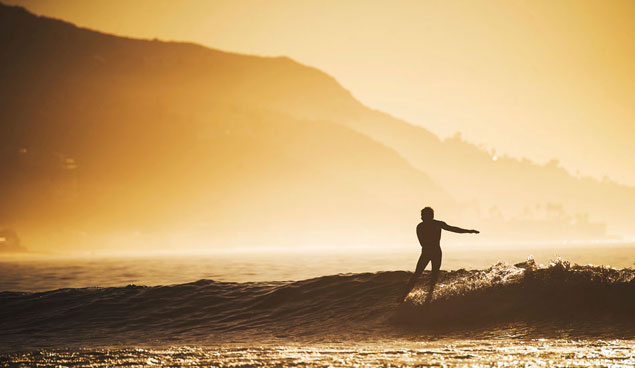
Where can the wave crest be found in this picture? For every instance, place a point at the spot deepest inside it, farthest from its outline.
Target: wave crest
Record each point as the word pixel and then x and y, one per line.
pixel 559 293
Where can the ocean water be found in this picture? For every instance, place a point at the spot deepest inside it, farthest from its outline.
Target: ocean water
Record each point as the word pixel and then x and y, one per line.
pixel 41 272
pixel 319 308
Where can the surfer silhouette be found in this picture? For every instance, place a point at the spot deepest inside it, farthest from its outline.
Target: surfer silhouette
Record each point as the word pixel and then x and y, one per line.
pixel 429 234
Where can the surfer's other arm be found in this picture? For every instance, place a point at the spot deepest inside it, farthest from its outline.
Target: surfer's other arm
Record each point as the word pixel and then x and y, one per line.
pixel 456 229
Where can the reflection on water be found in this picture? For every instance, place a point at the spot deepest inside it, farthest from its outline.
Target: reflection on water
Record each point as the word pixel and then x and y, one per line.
pixel 475 353
pixel 39 273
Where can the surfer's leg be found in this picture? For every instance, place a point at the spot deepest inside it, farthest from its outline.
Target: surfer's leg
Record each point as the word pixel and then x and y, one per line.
pixel 436 266
pixel 424 258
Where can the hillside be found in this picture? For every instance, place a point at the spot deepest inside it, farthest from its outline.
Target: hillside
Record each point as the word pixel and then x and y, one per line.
pixel 108 135
pixel 104 134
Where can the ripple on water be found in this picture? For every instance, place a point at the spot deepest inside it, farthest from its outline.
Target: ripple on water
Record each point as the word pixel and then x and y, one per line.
pixel 476 353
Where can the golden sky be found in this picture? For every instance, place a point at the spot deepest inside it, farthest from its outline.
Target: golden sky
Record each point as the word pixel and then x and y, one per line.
pixel 541 79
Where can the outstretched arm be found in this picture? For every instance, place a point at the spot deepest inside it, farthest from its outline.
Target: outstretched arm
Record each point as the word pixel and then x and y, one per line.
pixel 455 229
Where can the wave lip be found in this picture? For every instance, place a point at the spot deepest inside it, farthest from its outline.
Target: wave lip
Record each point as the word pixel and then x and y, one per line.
pixel 338 305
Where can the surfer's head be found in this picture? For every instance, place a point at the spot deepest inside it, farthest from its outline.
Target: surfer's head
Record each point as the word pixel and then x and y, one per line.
pixel 427 213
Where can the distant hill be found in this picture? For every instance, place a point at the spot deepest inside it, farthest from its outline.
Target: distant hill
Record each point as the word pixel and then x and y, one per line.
pixel 105 134
pixel 108 135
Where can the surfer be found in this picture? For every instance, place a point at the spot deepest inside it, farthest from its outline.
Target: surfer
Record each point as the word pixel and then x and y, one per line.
pixel 429 234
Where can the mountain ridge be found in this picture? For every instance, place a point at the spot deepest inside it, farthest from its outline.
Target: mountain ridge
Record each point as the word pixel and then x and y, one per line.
pixel 98 131
pixel 191 93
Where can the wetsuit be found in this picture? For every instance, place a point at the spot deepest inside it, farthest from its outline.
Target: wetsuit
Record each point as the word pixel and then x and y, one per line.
pixel 429 234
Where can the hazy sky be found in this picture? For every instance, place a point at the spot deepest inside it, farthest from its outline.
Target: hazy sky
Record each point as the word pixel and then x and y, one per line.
pixel 542 79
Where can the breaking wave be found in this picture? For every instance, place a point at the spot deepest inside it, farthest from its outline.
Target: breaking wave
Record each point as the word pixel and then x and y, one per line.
pixel 345 305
